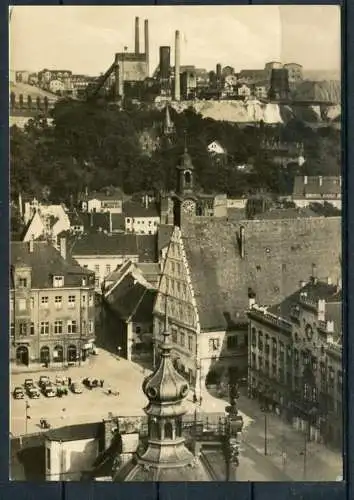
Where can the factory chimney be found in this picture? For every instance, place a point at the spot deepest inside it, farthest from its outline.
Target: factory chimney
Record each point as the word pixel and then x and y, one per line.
pixel 136 35
pixel 146 35
pixel 177 67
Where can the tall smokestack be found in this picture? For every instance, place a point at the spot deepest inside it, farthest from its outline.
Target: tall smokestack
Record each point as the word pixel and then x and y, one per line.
pixel 177 67
pixel 137 35
pixel 146 35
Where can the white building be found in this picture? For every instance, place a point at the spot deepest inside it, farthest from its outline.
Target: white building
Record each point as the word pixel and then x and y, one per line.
pixel 141 219
pixel 216 148
pixel 317 189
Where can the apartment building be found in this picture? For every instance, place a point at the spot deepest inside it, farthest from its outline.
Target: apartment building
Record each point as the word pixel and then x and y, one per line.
pixel 295 359
pixel 52 306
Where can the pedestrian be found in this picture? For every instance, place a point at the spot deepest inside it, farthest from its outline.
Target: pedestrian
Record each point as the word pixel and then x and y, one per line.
pixel 101 383
pixel 69 381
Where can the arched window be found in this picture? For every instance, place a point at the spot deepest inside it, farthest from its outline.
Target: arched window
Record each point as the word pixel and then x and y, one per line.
pixel 178 427
pixel 154 430
pixel 22 357
pixel 187 178
pixel 44 354
pixel 168 430
pixel 58 354
pixel 72 353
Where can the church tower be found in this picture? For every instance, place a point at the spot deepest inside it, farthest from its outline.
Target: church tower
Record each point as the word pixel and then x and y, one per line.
pixel 168 125
pixel 185 199
pixel 165 457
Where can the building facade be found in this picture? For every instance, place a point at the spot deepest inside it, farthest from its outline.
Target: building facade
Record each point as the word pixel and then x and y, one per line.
pixel 295 360
pixel 317 189
pixel 52 310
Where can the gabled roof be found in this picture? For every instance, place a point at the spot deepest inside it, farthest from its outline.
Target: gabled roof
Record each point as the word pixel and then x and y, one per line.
pixel 45 262
pixel 277 255
pixel 132 300
pixel 330 185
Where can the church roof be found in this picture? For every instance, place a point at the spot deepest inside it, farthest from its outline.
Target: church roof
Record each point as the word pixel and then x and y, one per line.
pixel 277 255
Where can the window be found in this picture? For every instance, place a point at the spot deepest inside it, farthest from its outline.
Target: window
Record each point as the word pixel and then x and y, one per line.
pixel 108 268
pixel 84 299
pixel 260 340
pixel 138 329
pixel 232 342
pixel 254 337
pixel 58 326
pixel 23 329
pixel 214 344
pixel 190 342
pixel 174 335
pixel 97 282
pixel 182 339
pixel 22 283
pixel 32 329
pixel 44 302
pixel 71 301
pixel 91 325
pixel 44 328
pixel 97 269
pixel 58 281
pixel 58 301
pixel 90 300
pixel 21 304
pixel 173 267
pixel 128 220
pixel 71 326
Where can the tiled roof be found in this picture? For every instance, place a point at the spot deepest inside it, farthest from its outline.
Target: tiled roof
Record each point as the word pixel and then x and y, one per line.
pixel 286 213
pixel 103 244
pixel 278 254
pixel 164 236
pixel 117 194
pixel 315 291
pixel 329 186
pixel 45 262
pixel 131 298
pixel 93 221
pixel 135 209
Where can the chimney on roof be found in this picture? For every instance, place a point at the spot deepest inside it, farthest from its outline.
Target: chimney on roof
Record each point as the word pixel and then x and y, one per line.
pixel 63 248
pixel 31 244
pixel 305 179
pixel 320 180
pixel 314 274
pixel 321 310
pixel 251 298
pixel 177 66
pixel 242 242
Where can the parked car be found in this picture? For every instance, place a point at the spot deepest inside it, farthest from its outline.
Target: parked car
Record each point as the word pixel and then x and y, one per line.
pixel 49 392
pixel 76 388
pixel 33 393
pixel 43 380
pixel 61 380
pixel 61 390
pixel 29 382
pixel 18 393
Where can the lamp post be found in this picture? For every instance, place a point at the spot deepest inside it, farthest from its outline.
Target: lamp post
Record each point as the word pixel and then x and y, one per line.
pixel 27 417
pixel 234 426
pixel 119 349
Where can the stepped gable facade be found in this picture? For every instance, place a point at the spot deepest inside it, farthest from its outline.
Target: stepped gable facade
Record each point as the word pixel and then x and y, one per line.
pixel 214 268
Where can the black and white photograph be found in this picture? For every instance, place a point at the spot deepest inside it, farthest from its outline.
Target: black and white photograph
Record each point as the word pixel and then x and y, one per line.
pixel 175 303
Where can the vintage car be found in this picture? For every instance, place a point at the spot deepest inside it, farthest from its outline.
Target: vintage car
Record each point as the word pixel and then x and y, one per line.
pixel 29 382
pixel 33 393
pixel 18 393
pixel 43 380
pixel 49 391
pixel 76 388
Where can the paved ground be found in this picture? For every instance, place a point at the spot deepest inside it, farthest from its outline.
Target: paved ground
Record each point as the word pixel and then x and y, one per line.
pixel 126 377
pixel 285 447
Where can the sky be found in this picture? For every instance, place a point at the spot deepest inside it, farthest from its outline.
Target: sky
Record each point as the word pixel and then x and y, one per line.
pixel 84 39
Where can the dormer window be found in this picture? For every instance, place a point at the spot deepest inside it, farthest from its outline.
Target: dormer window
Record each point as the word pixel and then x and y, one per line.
pixel 22 283
pixel 58 281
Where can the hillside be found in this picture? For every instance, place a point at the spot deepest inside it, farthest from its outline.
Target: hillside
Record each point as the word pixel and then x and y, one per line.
pixel 254 111
pixel 329 90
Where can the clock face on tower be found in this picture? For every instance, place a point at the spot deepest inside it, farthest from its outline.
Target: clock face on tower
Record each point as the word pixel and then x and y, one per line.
pixel 188 207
